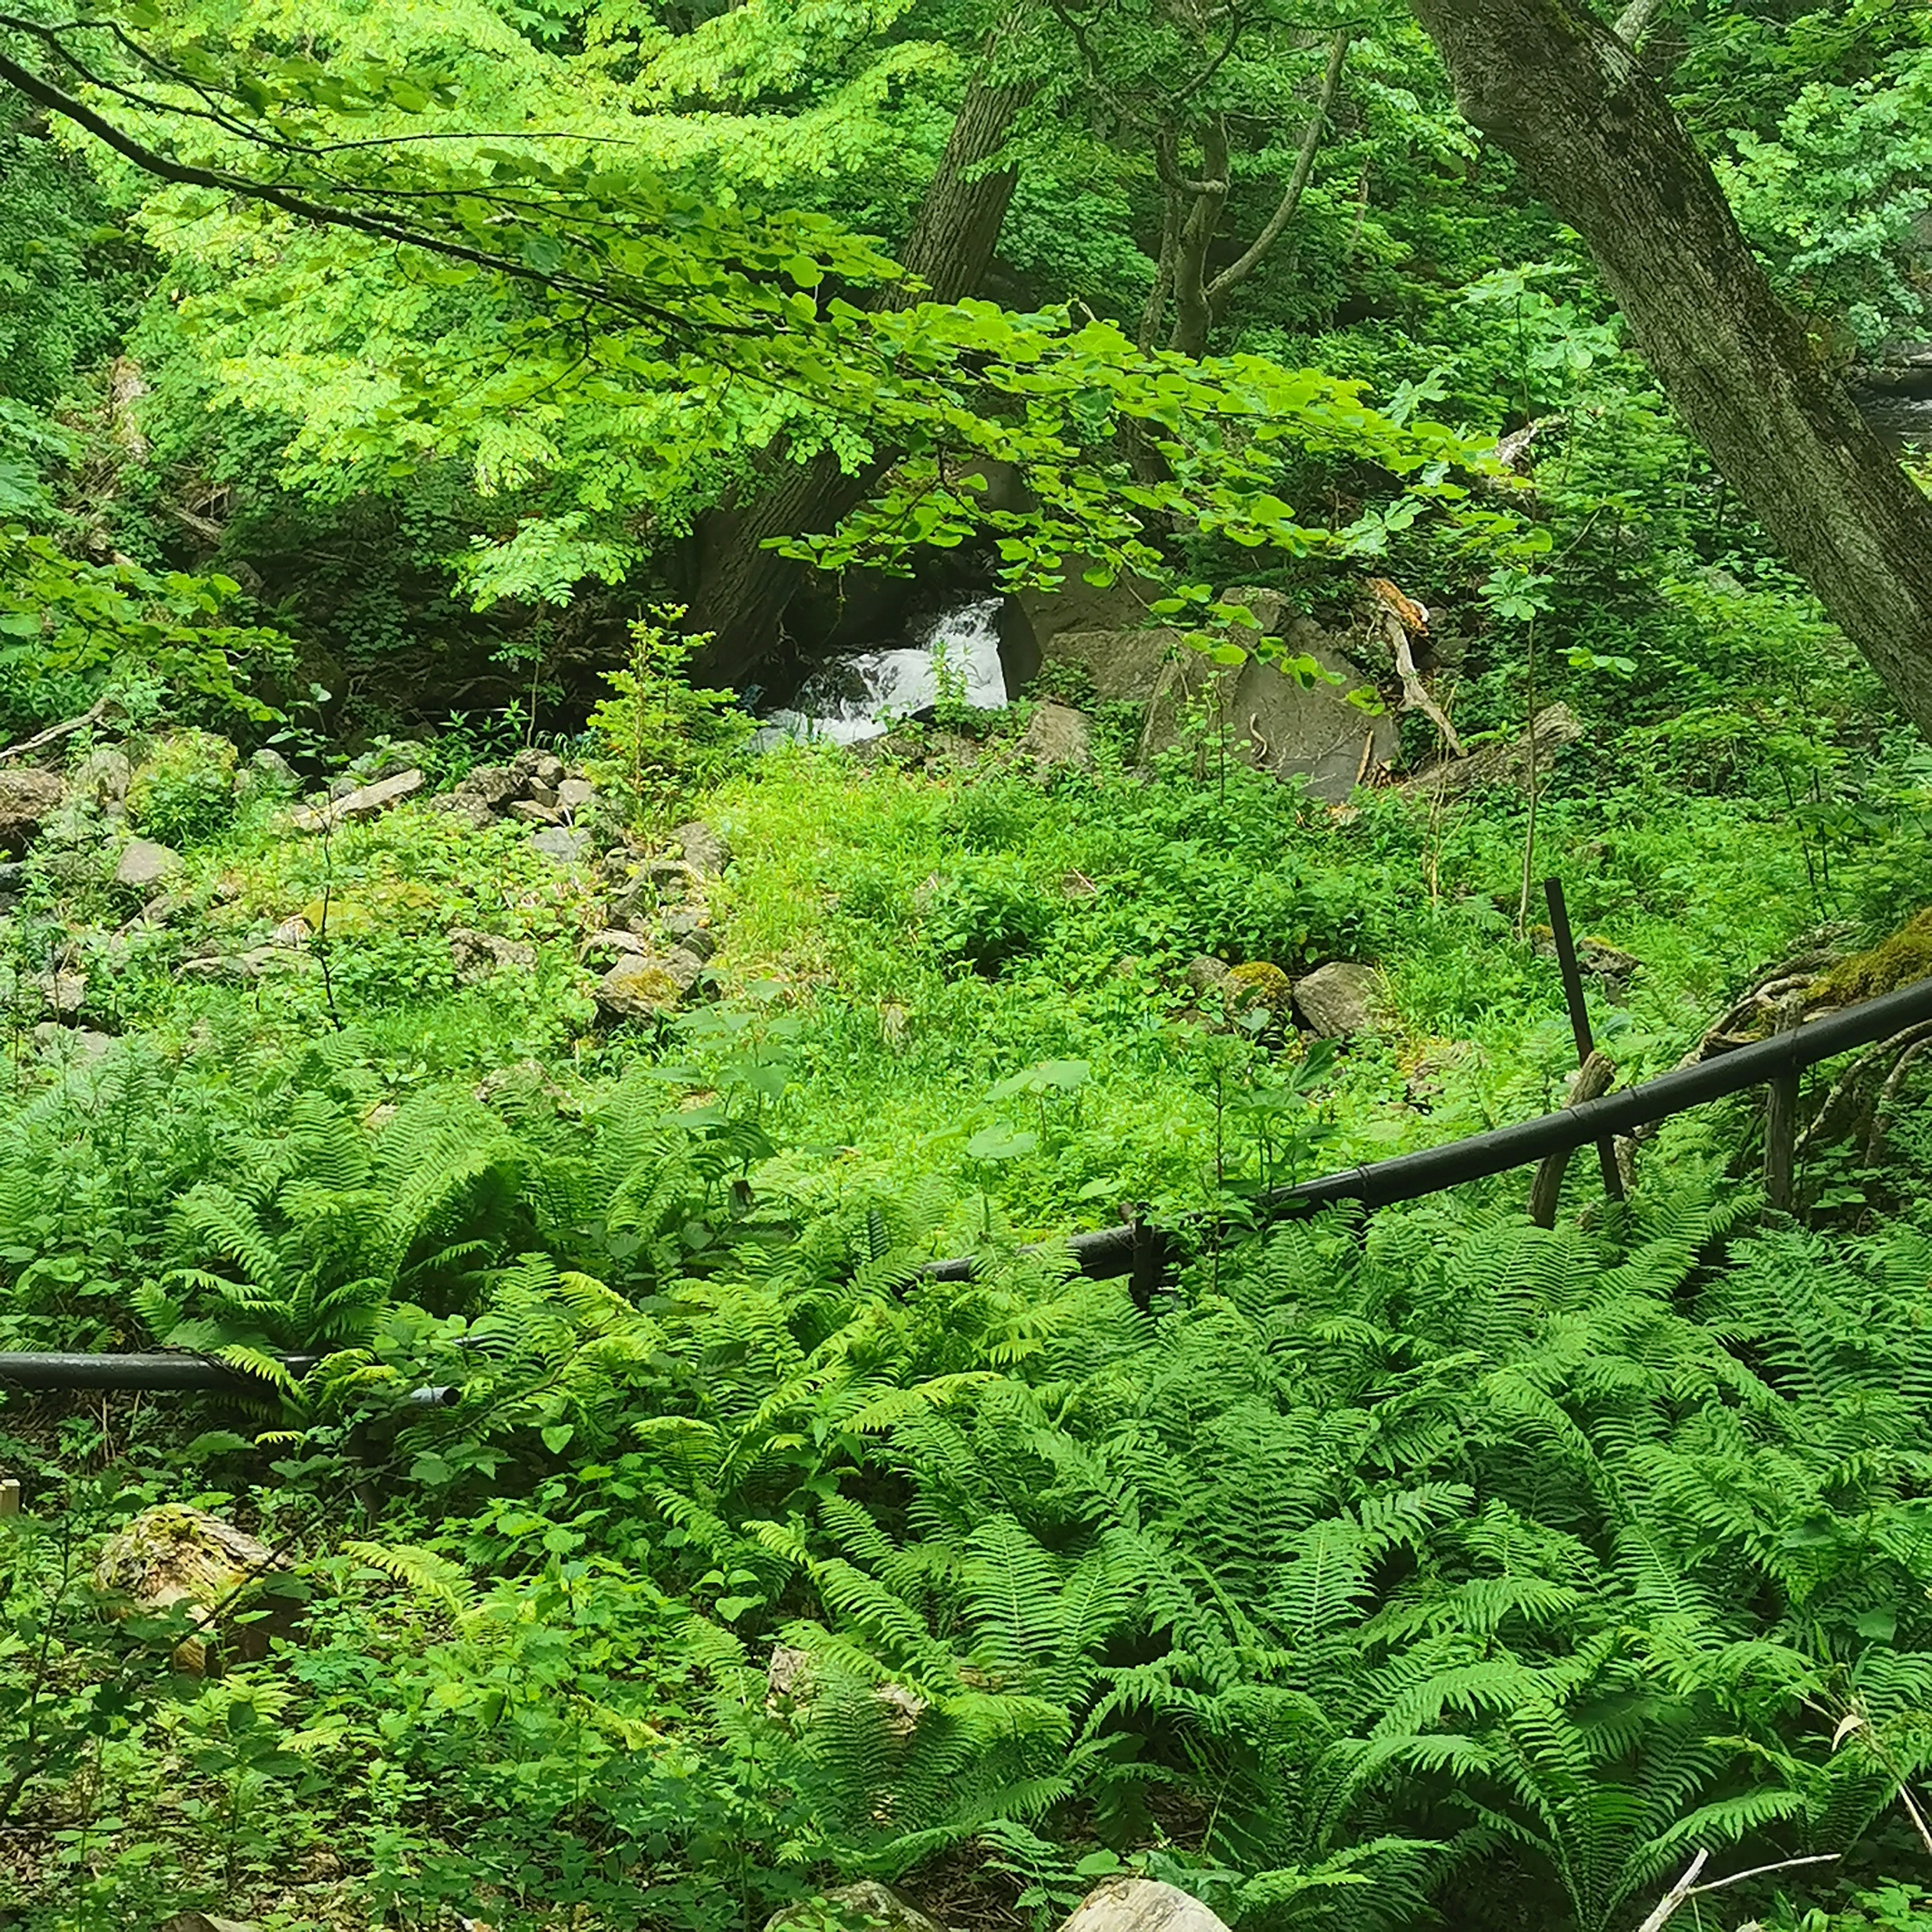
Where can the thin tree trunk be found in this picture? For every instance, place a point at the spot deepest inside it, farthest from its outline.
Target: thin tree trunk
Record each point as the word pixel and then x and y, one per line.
pixel 743 587
pixel 1558 91
pixel 1193 314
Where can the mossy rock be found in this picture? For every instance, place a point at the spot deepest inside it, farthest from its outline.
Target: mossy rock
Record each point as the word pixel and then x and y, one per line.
pixel 1256 982
pixel 1906 956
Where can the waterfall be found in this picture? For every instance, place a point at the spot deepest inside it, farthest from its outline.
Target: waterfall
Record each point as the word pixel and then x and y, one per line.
pixel 863 695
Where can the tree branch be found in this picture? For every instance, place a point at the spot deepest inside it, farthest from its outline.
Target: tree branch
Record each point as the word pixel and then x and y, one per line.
pixel 1633 23
pixel 1240 270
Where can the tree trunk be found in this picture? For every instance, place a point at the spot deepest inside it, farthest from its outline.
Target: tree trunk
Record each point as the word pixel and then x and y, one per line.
pixel 743 587
pixel 1599 141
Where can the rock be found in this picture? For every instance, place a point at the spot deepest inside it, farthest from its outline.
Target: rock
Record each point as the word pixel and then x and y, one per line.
pixel 207 1922
pixel 1057 735
pixel 238 968
pixel 560 843
pixel 493 786
pixel 63 992
pixel 643 985
pixel 1142 1905
pixel 1203 972
pixel 539 793
pixel 672 874
pixel 531 765
pixel 689 930
pixel 366 801
pixel 532 813
pixel 173 1555
pixel 293 932
pixel 1275 722
pixel 145 866
pixel 28 797
pixel 78 1043
pixel 705 851
pixel 102 777
pixel 610 940
pixel 1556 726
pixel 634 905
pixel 867 1906
pixel 476 955
pixel 1337 1000
pixel 272 768
pixel 576 795
pixel 389 763
pixel 1256 982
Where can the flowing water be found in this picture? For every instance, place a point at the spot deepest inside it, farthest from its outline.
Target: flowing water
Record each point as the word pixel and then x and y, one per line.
pixel 864 695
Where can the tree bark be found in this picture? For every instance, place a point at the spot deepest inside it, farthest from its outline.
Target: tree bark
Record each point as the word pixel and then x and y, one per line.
pixel 743 587
pixel 1560 92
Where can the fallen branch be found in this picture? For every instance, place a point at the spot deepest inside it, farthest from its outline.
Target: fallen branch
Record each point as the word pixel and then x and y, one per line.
pixel 1591 1082
pixel 55 733
pixel 1687 1887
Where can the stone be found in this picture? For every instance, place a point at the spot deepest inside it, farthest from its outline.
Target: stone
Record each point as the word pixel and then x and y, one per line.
pixel 272 768
pixel 611 940
pixel 238 968
pixel 530 765
pixel 389 763
pixel 706 851
pixel 492 785
pixel 1555 726
pixel 671 874
pixel 1203 972
pixel 207 1922
pixel 635 904
pixel 560 843
pixel 466 806
pixel 28 798
pixel 1275 722
pixel 63 992
pixel 867 1906
pixel 1056 735
pixel 576 795
pixel 689 930
pixel 1142 1905
pixel 80 1044
pixel 365 801
pixel 102 777
pixel 173 1557
pixel 145 866
pixel 476 955
pixel 644 985
pixel 293 932
pixel 1257 982
pixel 1337 1000
pixel 539 793
pixel 533 813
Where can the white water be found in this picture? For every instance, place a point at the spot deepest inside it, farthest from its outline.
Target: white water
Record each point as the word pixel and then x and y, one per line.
pixel 863 696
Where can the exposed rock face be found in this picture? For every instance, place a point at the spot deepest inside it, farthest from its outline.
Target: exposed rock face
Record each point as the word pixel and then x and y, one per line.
pixel 1057 735
pixel 28 798
pixel 642 986
pixel 365 801
pixel 171 1556
pixel 1142 1905
pixel 867 1906
pixel 1273 722
pixel 1338 1000
pixel 146 865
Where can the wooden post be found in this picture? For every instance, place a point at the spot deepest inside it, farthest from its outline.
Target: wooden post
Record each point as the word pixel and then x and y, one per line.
pixel 1780 1122
pixel 1579 1021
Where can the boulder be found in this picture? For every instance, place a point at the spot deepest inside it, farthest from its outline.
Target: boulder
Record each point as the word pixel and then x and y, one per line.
pixel 1203 972
pixel 146 865
pixel 1556 725
pixel 1142 1905
pixel 1275 722
pixel 1258 983
pixel 102 777
pixel 28 797
pixel 1057 735
pixel 867 1906
pixel 476 955
pixel 1337 1000
pixel 532 766
pixel 294 931
pixel 80 1044
pixel 612 940
pixel 560 843
pixel 706 851
pixel 171 1556
pixel 644 985
pixel 534 811
pixel 63 992
pixel 575 795
pixel 271 768
pixel 492 786
pixel 365 801
pixel 688 931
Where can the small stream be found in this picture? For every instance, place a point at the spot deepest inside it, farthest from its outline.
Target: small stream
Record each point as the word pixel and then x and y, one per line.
pixel 863 695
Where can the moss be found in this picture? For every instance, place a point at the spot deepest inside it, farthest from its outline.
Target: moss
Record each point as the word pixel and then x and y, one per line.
pixel 1257 983
pixel 1894 962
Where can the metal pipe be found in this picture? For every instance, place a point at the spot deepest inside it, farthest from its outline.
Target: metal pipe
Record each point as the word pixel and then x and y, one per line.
pixel 1109 1252
pixel 169 1371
